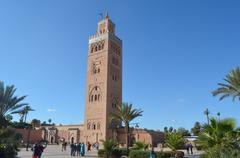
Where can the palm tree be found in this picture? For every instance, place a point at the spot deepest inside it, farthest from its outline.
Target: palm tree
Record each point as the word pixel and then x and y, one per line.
pixel 49 121
pixel 23 113
pixel 207 112
pixel 9 102
pixel 218 114
pixel 232 86
pixel 221 133
pixel 126 113
pixel 109 145
pixel 35 123
pixel 174 140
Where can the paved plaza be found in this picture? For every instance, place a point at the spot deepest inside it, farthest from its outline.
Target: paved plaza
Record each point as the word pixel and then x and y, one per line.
pixel 54 151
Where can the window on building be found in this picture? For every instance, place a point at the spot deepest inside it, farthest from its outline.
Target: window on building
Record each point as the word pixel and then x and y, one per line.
pixel 98 96
pixel 98 70
pixel 94 126
pixel 95 98
pixel 92 98
pixel 89 126
pixel 95 48
pixel 98 125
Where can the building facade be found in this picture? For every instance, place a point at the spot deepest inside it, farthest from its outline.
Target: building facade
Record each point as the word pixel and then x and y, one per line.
pixel 103 95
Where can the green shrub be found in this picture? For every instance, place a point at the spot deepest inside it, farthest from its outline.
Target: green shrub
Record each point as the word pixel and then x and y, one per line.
pixel 8 151
pixel 139 154
pixel 139 146
pixel 218 152
pixel 9 142
pixel 175 141
pixel 168 154
pixel 116 153
pixel 146 154
pixel 101 153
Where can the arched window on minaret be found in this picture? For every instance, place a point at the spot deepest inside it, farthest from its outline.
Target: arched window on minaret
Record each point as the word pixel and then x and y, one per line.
pixel 89 126
pixel 94 126
pixel 95 94
pixel 98 125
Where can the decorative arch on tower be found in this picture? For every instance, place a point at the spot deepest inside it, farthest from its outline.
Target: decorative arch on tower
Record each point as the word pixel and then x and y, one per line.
pixel 95 94
pixel 115 102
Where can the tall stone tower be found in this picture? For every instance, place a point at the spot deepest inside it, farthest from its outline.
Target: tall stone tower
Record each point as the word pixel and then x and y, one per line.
pixel 104 81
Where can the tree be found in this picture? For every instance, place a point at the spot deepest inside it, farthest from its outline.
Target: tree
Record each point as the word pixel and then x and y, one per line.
pixel 232 86
pixel 139 146
pixel 9 102
pixel 196 129
pixel 165 130
pixel 35 123
pixel 9 142
pixel 175 141
pixel 23 113
pixel 9 117
pixel 49 121
pixel 170 129
pixel 109 145
pixel 218 114
pixel 126 113
pixel 207 112
pixel 183 131
pixel 222 134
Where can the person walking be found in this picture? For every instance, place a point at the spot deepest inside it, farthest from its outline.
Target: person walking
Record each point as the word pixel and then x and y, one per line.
pixel 152 153
pixel 187 147
pixel 41 149
pixel 35 150
pixel 191 148
pixel 82 149
pixel 89 146
pixel 72 149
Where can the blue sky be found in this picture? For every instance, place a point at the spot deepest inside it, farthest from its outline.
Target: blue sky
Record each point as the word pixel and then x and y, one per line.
pixel 174 54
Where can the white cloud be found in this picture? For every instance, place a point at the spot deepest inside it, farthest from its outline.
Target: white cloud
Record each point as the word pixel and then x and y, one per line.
pixel 51 110
pixel 180 100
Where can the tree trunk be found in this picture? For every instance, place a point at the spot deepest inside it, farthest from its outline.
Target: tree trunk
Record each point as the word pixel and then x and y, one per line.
pixel 127 135
pixel 25 119
pixel 208 119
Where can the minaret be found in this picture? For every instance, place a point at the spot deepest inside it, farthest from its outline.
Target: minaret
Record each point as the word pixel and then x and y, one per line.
pixel 104 81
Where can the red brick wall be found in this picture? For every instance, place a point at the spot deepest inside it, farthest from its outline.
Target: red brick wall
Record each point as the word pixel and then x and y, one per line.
pixel 35 135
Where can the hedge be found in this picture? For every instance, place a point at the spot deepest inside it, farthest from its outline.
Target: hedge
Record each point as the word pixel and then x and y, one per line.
pixel 146 154
pixel 116 153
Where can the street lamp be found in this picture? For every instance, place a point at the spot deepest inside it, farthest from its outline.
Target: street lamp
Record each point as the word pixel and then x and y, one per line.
pixel 28 136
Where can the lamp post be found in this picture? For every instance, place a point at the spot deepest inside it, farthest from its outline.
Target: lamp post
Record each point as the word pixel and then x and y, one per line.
pixel 137 127
pixel 28 136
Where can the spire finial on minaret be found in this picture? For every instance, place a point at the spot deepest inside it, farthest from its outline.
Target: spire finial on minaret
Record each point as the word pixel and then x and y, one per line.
pixel 106 15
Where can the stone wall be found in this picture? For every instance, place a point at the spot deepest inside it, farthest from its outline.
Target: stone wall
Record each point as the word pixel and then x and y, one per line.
pixel 34 135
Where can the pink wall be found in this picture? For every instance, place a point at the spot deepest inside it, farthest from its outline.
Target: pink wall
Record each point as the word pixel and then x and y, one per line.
pixel 35 135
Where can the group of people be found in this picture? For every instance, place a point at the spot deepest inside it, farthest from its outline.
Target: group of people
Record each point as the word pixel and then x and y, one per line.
pixel 77 149
pixel 38 149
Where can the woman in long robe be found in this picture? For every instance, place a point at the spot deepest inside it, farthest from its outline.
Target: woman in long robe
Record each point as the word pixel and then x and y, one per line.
pixel 82 149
